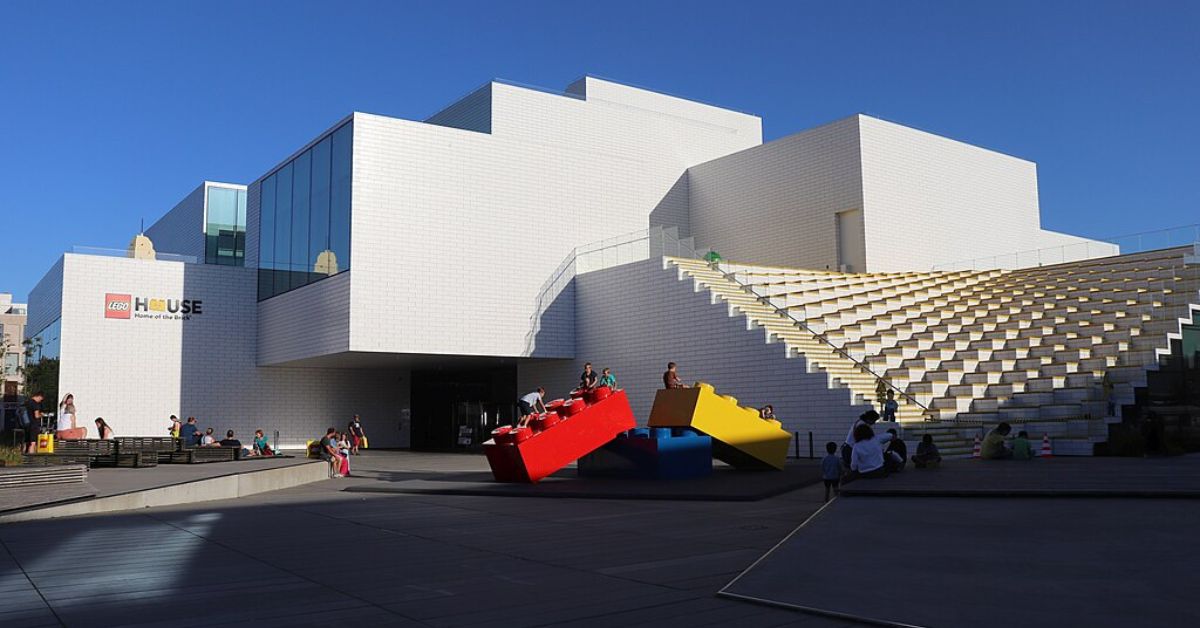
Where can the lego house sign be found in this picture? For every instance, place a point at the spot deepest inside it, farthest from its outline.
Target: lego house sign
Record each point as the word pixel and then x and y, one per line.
pixel 126 306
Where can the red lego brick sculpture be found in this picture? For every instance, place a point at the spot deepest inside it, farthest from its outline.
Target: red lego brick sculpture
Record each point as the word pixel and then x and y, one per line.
pixel 569 431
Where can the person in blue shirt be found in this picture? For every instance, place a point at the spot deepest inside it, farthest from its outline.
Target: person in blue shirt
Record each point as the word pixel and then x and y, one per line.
pixel 831 469
pixel 187 433
pixel 607 379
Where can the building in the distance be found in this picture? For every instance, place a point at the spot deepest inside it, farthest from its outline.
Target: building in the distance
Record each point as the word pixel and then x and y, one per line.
pixel 423 274
pixel 12 348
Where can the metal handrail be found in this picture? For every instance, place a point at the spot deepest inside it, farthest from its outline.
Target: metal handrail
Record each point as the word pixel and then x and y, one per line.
pixel 1083 250
pixel 634 246
pixel 716 266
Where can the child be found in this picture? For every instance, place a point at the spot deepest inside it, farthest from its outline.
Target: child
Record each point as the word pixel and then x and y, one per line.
pixel 927 453
pixel 890 407
pixel 1021 449
pixel 831 469
pixel 897 451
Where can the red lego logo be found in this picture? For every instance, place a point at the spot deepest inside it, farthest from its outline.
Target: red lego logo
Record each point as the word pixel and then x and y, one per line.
pixel 117 306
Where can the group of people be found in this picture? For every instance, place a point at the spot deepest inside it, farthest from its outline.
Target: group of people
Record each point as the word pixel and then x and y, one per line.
pixel 190 435
pixel 865 454
pixel 995 445
pixel 534 403
pixel 337 447
pixel 33 421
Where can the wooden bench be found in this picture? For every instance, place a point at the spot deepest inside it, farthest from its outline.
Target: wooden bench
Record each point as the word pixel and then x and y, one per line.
pixel 137 459
pixel 41 475
pixel 56 459
pixel 161 446
pixel 198 455
pixel 88 446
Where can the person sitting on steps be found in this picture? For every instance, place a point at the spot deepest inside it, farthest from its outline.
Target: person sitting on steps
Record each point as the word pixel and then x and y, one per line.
pixel 994 447
pixel 867 459
pixel 1021 448
pixel 927 453
pixel 867 418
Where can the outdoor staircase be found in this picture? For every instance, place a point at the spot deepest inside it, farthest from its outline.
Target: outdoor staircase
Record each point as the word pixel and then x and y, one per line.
pixel 968 349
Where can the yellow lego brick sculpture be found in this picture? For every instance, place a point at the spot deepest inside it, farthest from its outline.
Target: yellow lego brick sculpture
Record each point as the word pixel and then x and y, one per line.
pixel 740 437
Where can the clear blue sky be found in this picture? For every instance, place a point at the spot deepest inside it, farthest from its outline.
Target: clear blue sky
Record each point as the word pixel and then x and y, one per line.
pixel 113 111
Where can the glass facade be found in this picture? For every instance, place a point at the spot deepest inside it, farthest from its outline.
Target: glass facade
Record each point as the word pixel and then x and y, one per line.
pixel 45 343
pixel 225 226
pixel 304 220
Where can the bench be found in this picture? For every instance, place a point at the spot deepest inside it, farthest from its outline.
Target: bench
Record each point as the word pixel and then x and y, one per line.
pixel 128 460
pixel 198 455
pixel 88 446
pixel 55 459
pixel 24 477
pixel 161 446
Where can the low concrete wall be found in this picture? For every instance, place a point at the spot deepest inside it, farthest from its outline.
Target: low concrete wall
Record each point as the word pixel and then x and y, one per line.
pixel 209 489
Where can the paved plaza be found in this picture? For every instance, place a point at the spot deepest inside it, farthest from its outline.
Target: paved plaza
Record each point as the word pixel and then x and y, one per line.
pixel 926 549
pixel 316 555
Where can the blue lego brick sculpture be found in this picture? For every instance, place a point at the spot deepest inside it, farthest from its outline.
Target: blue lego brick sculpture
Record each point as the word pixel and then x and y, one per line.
pixel 660 453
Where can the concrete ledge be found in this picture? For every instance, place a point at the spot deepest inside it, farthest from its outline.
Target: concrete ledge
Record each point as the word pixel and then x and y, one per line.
pixel 222 487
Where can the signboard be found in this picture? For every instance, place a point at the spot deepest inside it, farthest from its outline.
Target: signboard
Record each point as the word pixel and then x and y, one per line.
pixel 127 306
pixel 466 434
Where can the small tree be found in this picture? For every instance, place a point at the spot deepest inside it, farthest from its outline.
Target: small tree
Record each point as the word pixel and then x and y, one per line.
pixel 42 376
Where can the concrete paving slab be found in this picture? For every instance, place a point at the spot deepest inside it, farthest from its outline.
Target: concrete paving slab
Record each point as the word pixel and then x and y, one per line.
pixel 401 559
pixel 956 562
pixel 1177 476
pixel 725 484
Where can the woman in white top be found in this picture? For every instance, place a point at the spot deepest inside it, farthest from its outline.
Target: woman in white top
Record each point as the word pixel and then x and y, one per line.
pixel 66 413
pixel 867 458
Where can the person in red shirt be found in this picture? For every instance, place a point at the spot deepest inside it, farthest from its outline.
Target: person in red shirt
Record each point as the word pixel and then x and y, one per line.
pixel 671 378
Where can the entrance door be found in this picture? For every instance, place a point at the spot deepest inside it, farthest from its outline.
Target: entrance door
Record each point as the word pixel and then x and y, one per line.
pixel 444 401
pixel 852 252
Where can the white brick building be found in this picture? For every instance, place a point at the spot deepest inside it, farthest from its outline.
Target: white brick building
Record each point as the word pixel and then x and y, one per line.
pixel 413 272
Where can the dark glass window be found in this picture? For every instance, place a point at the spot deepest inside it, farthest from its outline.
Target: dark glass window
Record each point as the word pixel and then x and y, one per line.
pixel 301 179
pixel 318 221
pixel 339 207
pixel 283 229
pixel 44 345
pixel 225 226
pixel 266 238
pixel 304 219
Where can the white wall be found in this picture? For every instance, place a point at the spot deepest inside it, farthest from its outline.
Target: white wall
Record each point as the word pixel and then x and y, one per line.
pixel 929 199
pixel 637 317
pixel 137 372
pixel 454 232
pixel 776 204
pixel 309 321
pixel 926 200
pixel 181 230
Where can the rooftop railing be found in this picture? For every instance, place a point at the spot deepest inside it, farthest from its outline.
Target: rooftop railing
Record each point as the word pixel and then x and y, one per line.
pixel 1079 251
pixel 158 255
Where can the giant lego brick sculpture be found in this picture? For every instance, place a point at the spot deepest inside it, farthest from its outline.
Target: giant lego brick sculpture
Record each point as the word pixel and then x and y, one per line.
pixel 740 438
pixel 567 432
pixel 659 453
